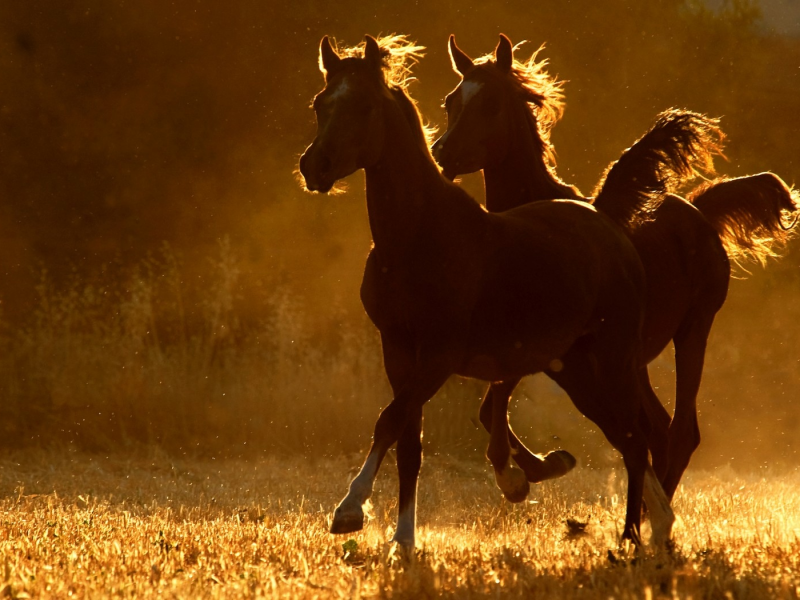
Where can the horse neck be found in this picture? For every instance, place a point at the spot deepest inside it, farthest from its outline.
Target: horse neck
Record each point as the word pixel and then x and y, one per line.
pixel 523 176
pixel 400 185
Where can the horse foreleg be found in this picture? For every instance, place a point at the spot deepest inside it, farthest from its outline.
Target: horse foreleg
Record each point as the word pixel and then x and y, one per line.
pixel 511 480
pixel 656 427
pixel 409 461
pixel 536 468
pixel 684 432
pixel 392 422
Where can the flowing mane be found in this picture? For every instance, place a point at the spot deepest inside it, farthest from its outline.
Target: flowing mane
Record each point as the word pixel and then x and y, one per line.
pixel 754 216
pixel 398 57
pixel 543 92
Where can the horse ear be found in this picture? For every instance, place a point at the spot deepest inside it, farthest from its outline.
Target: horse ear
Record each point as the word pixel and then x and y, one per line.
pixel 328 59
pixel 504 54
pixel 372 51
pixel 461 62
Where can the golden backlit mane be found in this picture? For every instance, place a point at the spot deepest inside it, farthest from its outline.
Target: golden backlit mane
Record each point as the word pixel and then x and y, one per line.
pixel 754 216
pixel 544 92
pixel 398 57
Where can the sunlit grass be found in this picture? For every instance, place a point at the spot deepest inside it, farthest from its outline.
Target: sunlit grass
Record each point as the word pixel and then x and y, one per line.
pixel 151 526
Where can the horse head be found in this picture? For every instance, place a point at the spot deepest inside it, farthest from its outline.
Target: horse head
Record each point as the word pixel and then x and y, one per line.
pixel 350 131
pixel 484 111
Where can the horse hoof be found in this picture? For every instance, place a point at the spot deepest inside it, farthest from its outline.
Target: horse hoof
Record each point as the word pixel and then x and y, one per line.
pixel 347 520
pixel 406 543
pixel 562 462
pixel 513 483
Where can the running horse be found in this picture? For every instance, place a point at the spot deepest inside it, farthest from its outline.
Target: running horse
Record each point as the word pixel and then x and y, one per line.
pixel 499 119
pixel 454 289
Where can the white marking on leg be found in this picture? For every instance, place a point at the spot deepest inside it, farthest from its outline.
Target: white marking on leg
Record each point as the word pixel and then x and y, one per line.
pixel 661 515
pixel 361 486
pixel 468 90
pixel 349 515
pixel 406 525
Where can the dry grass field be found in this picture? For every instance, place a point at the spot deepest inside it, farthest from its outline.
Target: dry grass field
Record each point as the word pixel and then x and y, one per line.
pixel 83 526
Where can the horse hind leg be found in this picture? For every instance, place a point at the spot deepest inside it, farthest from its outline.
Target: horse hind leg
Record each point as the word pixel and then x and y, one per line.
pixel 537 468
pixel 610 393
pixel 684 432
pixel 643 484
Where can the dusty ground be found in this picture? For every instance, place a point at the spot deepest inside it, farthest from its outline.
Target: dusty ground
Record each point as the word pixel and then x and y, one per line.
pixel 80 526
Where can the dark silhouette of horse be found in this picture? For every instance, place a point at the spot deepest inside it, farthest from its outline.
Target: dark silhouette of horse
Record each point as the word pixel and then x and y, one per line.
pixel 454 289
pixel 499 119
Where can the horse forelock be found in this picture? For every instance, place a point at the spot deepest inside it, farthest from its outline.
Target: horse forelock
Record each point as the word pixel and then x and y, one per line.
pixel 530 79
pixel 542 93
pixel 398 57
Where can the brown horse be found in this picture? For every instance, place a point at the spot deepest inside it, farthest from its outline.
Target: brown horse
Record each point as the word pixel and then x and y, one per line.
pixel 454 289
pixel 499 118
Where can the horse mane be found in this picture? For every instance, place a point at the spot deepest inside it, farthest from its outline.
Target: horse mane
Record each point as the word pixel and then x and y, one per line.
pixel 423 133
pixel 676 147
pixel 398 57
pixel 543 92
pixel 753 215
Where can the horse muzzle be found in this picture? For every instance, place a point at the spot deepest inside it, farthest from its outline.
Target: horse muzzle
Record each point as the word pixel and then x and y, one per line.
pixel 316 168
pixel 446 159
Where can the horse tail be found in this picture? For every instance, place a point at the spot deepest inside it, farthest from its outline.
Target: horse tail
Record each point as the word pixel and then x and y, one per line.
pixel 753 215
pixel 676 147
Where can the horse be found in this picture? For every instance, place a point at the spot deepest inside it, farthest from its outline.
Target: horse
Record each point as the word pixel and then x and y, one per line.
pixel 455 289
pixel 498 120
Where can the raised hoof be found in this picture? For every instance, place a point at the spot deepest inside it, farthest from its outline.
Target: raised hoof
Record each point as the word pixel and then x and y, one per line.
pixel 561 462
pixel 347 520
pixel 513 483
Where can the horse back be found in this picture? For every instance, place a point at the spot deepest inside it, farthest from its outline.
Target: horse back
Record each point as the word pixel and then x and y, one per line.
pixel 554 272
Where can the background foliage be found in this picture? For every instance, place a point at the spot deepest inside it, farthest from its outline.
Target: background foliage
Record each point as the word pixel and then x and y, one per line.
pixel 164 279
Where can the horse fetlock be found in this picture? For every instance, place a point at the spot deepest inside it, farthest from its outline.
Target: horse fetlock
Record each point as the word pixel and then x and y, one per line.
pixel 513 483
pixel 347 518
pixel 404 538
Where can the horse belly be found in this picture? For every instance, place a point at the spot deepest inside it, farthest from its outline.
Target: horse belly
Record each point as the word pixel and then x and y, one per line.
pixel 498 350
pixel 503 367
